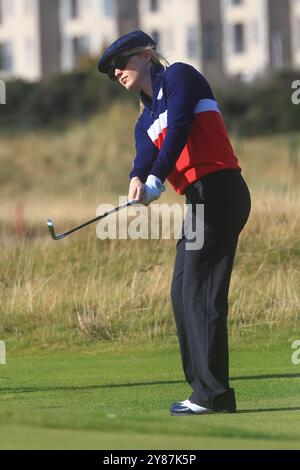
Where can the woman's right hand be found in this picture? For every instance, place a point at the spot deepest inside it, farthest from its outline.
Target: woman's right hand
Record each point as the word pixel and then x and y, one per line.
pixel 135 189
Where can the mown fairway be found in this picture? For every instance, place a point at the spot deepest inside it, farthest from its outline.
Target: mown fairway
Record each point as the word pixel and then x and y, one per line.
pixel 117 397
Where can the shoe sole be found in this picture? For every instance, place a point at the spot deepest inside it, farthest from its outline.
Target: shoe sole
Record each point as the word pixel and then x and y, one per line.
pixel 204 413
pixel 192 414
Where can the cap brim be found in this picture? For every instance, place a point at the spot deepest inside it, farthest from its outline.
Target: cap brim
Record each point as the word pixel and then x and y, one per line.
pixel 104 63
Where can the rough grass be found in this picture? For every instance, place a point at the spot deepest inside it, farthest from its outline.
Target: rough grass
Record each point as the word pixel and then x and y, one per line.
pixel 85 288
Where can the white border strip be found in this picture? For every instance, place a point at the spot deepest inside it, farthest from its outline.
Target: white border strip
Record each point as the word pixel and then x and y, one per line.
pixel 158 126
pixel 161 123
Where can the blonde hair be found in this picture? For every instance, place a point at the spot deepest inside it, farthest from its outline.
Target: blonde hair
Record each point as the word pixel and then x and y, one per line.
pixel 156 58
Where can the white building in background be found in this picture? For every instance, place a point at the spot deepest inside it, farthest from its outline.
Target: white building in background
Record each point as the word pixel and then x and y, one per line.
pixel 267 34
pixel 29 38
pixel 174 24
pixel 245 32
pixel 86 27
pixel 244 38
pixel 40 37
pixel 260 36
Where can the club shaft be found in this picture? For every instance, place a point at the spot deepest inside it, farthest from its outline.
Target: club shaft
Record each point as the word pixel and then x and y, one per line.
pixel 94 220
pixel 116 209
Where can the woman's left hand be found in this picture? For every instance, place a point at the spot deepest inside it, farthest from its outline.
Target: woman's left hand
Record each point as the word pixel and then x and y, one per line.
pixel 152 190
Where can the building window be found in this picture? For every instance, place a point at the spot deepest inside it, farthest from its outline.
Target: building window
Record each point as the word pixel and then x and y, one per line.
pixel 209 41
pixel 6 60
pixel 192 42
pixel 153 5
pixel 81 46
pixel 107 7
pixel 239 38
pixel 74 9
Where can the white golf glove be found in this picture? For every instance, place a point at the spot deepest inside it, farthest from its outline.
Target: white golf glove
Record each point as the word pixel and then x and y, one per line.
pixel 152 189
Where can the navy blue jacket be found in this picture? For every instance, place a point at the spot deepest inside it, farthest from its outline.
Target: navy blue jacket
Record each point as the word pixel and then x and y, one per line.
pixel 180 135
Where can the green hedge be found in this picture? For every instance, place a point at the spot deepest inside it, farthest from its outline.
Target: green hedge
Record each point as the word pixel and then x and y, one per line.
pixel 58 100
pixel 262 107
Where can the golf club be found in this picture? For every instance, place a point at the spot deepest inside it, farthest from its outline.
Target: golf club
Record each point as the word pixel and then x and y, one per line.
pixel 55 236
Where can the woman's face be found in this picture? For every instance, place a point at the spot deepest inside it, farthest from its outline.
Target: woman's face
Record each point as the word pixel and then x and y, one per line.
pixel 135 72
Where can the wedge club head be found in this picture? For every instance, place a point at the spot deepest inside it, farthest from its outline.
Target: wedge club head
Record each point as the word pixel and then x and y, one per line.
pixel 52 231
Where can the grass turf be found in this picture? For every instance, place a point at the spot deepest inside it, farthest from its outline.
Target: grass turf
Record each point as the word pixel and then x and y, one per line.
pixel 117 395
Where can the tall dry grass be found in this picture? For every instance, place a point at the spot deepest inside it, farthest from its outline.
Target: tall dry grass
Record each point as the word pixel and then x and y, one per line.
pixel 113 289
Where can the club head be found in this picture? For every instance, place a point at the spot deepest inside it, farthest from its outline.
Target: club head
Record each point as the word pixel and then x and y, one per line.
pixel 52 231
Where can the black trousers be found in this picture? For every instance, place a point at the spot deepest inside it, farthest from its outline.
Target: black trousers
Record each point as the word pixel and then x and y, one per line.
pixel 200 286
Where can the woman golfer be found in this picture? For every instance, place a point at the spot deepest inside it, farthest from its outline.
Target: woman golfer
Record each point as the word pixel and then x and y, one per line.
pixel 180 136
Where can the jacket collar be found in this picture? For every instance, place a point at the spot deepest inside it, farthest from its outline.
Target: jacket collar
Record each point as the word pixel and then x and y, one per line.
pixel 157 73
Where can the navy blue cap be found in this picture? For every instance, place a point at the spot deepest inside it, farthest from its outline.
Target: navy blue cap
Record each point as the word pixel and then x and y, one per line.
pixel 128 41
